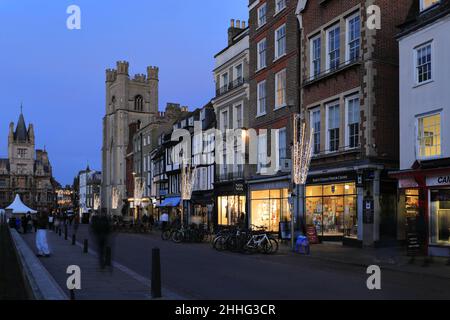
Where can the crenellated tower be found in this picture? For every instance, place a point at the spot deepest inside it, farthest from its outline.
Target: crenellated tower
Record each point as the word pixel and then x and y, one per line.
pixel 128 100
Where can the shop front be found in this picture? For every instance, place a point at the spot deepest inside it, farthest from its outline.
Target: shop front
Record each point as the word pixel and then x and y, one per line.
pixel 201 208
pixel 269 204
pixel 331 206
pixel 231 204
pixel 424 204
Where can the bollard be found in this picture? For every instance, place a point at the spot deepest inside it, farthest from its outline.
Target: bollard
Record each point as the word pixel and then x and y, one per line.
pixel 85 246
pixel 59 232
pixel 108 256
pixel 72 294
pixel 74 239
pixel 65 232
pixel 156 273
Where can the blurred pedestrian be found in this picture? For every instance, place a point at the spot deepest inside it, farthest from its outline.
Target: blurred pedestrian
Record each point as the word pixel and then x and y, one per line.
pixel 101 230
pixel 51 220
pixel 76 223
pixel 164 221
pixel 41 236
pixel 24 223
pixel 151 221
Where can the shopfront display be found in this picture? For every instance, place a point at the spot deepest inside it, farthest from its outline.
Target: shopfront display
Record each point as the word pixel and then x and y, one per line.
pixel 411 203
pixel 332 209
pixel 230 209
pixel 440 216
pixel 269 208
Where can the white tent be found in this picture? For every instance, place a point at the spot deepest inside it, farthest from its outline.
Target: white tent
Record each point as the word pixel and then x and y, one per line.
pixel 18 207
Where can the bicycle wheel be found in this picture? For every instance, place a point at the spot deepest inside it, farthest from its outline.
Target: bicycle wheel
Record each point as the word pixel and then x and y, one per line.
pixel 274 245
pixel 177 236
pixel 220 243
pixel 165 235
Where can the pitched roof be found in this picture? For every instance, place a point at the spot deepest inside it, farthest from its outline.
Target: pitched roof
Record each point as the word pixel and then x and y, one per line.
pixel 417 19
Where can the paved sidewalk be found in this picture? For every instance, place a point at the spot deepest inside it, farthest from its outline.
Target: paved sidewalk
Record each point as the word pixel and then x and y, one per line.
pixel 113 283
pixel 392 258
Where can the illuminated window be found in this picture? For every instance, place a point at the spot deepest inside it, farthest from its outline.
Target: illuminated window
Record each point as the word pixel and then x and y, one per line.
pixel 429 136
pixel 425 4
pixel 280 85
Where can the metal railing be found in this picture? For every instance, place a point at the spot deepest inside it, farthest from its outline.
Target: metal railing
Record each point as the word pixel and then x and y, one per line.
pixel 230 86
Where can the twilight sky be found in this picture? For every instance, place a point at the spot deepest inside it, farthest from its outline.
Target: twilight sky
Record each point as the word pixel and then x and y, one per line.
pixel 59 74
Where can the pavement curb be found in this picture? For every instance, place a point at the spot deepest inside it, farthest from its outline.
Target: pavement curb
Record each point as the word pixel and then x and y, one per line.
pixel 43 285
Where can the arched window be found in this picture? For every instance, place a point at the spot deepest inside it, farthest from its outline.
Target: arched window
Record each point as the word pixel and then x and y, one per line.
pixel 138 103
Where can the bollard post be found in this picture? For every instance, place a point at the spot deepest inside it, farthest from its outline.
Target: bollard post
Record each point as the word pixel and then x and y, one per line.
pixel 108 256
pixel 156 273
pixel 74 239
pixel 85 246
pixel 65 232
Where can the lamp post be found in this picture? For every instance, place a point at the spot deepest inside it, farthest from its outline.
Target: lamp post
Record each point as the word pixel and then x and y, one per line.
pixel 301 160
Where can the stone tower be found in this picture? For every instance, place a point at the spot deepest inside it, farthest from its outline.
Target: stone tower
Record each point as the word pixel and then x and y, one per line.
pixel 21 148
pixel 128 100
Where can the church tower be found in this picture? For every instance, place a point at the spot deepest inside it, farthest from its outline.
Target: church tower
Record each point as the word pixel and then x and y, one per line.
pixel 128 100
pixel 21 148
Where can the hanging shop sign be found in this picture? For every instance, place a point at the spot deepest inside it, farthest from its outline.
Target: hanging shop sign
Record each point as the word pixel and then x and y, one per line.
pixel 406 183
pixel 437 181
pixel 369 211
pixel 239 187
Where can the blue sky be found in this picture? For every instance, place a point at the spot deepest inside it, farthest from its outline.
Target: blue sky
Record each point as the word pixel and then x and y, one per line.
pixel 59 73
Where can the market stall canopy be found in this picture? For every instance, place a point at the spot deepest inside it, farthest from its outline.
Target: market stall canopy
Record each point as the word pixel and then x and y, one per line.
pixel 170 202
pixel 18 207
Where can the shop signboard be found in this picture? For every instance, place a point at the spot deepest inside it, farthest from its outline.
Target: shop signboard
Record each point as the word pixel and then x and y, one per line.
pixel 311 233
pixel 437 181
pixel 239 188
pixel 344 177
pixel 406 183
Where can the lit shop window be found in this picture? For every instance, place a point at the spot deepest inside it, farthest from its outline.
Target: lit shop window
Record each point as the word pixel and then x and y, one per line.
pixel 269 208
pixel 230 209
pixel 440 217
pixel 331 209
pixel 429 136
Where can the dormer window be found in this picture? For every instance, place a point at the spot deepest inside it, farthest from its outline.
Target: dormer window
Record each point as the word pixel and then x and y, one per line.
pixel 426 4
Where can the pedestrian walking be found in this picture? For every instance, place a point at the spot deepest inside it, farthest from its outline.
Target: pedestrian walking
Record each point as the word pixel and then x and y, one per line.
pixel 41 236
pixel 101 230
pixel 76 223
pixel 151 221
pixel 24 224
pixel 51 219
pixel 164 221
pixel 18 224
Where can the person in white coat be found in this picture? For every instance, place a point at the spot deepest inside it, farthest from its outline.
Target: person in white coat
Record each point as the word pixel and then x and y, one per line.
pixel 41 236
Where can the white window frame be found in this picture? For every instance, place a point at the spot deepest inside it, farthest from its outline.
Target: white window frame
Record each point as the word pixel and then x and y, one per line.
pixel 327 46
pixel 416 70
pixel 222 113
pixel 347 37
pixel 260 63
pixel 347 131
pixel 277 55
pixel 235 68
pixel 327 125
pixel 262 154
pixel 423 8
pixel 311 44
pixel 417 137
pixel 260 113
pixel 263 6
pixel 278 147
pixel 277 106
pixel 277 9
pixel 235 106
pixel 311 121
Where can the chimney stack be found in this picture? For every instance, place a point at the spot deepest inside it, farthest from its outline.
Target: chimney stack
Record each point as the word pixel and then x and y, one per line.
pixel 235 29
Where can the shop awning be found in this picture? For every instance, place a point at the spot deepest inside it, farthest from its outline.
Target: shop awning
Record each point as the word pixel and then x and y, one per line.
pixel 170 202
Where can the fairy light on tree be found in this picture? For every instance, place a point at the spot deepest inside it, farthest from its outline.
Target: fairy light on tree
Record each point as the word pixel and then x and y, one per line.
pixel 188 176
pixel 138 194
pixel 301 160
pixel 115 198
